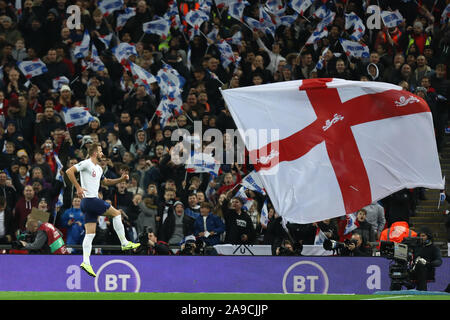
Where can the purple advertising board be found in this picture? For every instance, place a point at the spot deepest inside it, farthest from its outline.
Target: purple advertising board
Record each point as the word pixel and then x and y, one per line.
pixel 244 274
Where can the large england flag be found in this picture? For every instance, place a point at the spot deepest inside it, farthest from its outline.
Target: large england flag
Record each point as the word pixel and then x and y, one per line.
pixel 340 145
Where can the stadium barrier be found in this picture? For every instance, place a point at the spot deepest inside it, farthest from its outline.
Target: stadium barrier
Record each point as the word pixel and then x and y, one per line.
pixel 246 274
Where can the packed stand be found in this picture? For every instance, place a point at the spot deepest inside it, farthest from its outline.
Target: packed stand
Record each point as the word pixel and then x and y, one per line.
pixel 127 84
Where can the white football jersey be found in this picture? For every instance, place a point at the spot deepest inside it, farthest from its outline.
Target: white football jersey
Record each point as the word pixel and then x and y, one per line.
pixel 90 177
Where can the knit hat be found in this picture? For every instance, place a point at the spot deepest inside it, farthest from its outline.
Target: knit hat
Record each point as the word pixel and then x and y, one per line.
pixel 177 203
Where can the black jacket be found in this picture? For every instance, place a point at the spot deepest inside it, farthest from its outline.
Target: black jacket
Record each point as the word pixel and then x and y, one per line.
pixel 237 225
pixel 167 228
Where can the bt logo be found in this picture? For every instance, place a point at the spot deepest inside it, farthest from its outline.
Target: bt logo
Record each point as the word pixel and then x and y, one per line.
pixel 113 276
pixel 305 277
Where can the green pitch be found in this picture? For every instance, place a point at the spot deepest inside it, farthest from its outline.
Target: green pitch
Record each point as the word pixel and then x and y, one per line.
pixel 10 295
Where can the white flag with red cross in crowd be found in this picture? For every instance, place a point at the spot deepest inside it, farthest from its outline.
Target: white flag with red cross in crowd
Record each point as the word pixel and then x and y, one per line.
pixel 341 144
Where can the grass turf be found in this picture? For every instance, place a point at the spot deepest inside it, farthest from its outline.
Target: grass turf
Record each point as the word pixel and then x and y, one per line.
pixel 28 295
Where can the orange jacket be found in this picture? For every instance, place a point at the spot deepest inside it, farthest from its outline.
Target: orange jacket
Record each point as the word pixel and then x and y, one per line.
pixel 396 232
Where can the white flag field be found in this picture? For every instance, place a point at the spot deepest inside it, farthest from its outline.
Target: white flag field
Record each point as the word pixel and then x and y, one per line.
pixel 340 145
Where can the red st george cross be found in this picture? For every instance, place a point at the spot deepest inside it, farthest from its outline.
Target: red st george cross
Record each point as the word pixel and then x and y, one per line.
pixel 333 125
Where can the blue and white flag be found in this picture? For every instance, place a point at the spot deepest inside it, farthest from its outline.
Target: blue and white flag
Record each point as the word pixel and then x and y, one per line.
pixel 195 18
pixel 275 6
pixel 266 22
pixel 321 62
pixel 124 17
pixel 322 12
pixel 164 114
pixel 351 223
pixel 254 24
pixel 253 182
pixel 248 202
pixel 202 162
pixel 316 36
pixel 236 39
pixel 59 177
pixel 109 6
pixel 81 49
pixel 288 20
pixel 169 80
pixel 59 81
pixel 445 14
pixel 320 237
pixel 123 51
pixel 236 10
pixel 326 21
pixel 226 53
pixel 355 49
pixel 212 35
pixel 106 39
pixel 160 27
pixel 141 74
pixel 355 22
pixel 265 214
pixel 96 64
pixel 300 6
pixel 391 19
pixel 76 116
pixel 32 68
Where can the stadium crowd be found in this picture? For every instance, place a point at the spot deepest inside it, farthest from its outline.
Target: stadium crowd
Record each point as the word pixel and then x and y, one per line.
pixel 35 136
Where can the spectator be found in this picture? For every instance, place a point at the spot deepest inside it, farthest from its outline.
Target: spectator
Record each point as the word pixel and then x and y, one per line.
pixel 24 206
pixel 208 227
pixel 177 225
pixel 376 217
pixel 73 220
pixel 7 227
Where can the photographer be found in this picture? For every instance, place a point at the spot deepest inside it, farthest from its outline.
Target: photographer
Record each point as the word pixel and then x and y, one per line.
pixel 427 258
pixel 354 247
pixel 150 244
pixel 48 239
pixel 286 249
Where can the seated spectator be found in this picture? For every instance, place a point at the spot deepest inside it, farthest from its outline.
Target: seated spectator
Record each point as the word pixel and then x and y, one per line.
pixel 208 227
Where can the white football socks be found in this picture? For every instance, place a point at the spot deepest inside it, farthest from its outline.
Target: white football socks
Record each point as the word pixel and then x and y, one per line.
pixel 87 247
pixel 120 230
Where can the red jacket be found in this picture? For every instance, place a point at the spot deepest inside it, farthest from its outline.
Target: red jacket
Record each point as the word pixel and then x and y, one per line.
pixel 22 210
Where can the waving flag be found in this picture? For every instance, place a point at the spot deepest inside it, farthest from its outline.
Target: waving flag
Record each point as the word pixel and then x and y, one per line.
pixel 316 36
pixel 254 24
pixel 391 19
pixel 161 27
pixel 141 74
pixel 326 21
pixel 248 202
pixel 32 68
pixel 355 22
pixel 445 14
pixel 169 80
pixel 76 116
pixel 236 39
pixel 212 35
pixel 320 237
pixel 96 64
pixel 205 6
pixel 275 6
pixel 226 53
pixel 322 12
pixel 300 6
pixel 164 114
pixel 321 163
pixel 288 20
pixel 355 49
pixel 195 18
pixel 124 17
pixel 81 49
pixel 106 39
pixel 109 6
pixel 352 223
pixel 123 51
pixel 202 162
pixel 253 182
pixel 59 81
pixel 266 22
pixel 265 214
pixel 236 10
pixel 321 62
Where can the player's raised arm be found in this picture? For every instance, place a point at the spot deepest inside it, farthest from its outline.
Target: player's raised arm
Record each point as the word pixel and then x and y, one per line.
pixel 110 182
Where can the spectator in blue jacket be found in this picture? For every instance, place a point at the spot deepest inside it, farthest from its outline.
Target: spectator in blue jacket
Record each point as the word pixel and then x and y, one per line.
pixel 73 220
pixel 208 226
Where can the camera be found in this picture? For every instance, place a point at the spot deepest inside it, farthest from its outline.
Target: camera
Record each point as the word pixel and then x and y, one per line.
pixel 402 256
pixel 332 245
pixel 143 236
pixel 115 150
pixel 348 242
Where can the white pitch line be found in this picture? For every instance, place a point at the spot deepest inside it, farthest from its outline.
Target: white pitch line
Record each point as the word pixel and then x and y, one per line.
pixel 394 297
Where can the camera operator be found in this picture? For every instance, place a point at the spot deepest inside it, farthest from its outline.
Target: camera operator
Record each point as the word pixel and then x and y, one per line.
pixel 48 239
pixel 189 246
pixel 427 258
pixel 150 244
pixel 353 247
pixel 286 249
